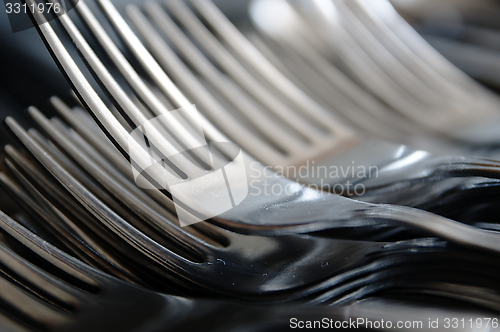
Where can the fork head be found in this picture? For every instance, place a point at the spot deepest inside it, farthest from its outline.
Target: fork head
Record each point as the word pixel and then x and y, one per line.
pixel 141 159
pixel 388 59
pixel 227 269
pixel 56 292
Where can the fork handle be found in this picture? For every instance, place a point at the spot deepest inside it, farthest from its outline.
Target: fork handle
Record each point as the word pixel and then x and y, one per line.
pixel 448 229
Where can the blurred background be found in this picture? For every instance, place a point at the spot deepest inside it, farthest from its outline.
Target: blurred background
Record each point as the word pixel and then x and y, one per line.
pixel 467 32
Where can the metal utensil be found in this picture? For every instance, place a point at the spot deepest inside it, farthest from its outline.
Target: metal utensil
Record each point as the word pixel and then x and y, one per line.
pixel 256 212
pixel 389 59
pixel 382 266
pixel 66 294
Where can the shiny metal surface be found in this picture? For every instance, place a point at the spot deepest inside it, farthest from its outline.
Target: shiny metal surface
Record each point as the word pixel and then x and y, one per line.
pixel 388 58
pixel 242 264
pixel 290 211
pixel 240 267
pixel 395 162
pixel 96 235
pixel 84 299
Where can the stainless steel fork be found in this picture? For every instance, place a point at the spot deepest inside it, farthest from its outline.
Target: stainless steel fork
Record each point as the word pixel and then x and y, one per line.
pixel 60 293
pixel 64 294
pixel 389 59
pixel 296 209
pixel 241 266
pixel 364 153
pixel 353 280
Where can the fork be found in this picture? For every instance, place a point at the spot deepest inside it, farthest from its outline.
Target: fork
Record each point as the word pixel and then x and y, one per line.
pixel 379 279
pixel 215 19
pixel 376 53
pixel 388 263
pixel 66 294
pixel 239 267
pixel 435 169
pixel 424 166
pixel 387 15
pixel 54 154
pixel 302 209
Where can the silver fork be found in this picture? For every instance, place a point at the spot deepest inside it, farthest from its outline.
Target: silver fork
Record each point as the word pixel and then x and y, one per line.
pixel 311 72
pixel 386 16
pixel 392 69
pixel 300 209
pixel 215 18
pixel 67 294
pixel 386 272
pixel 241 267
pixel 220 55
pixel 390 268
pixel 361 151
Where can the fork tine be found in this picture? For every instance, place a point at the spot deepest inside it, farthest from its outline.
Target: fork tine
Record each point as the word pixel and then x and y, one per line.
pixel 415 42
pixel 314 131
pixel 76 172
pixel 115 131
pixel 205 67
pixel 316 85
pixel 82 146
pixel 47 186
pixel 101 192
pixel 337 80
pixel 397 46
pixel 328 134
pixel 462 88
pixel 166 146
pixel 63 161
pixel 159 223
pixel 99 253
pixel 162 258
pixel 162 81
pixel 69 265
pixel 28 308
pixel 360 64
pixel 386 60
pixel 248 52
pixel 92 154
pixel 122 254
pixel 411 98
pixel 33 278
pixel 459 101
pixel 68 243
pixel 218 114
pixel 125 180
pixel 84 246
pixel 102 145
